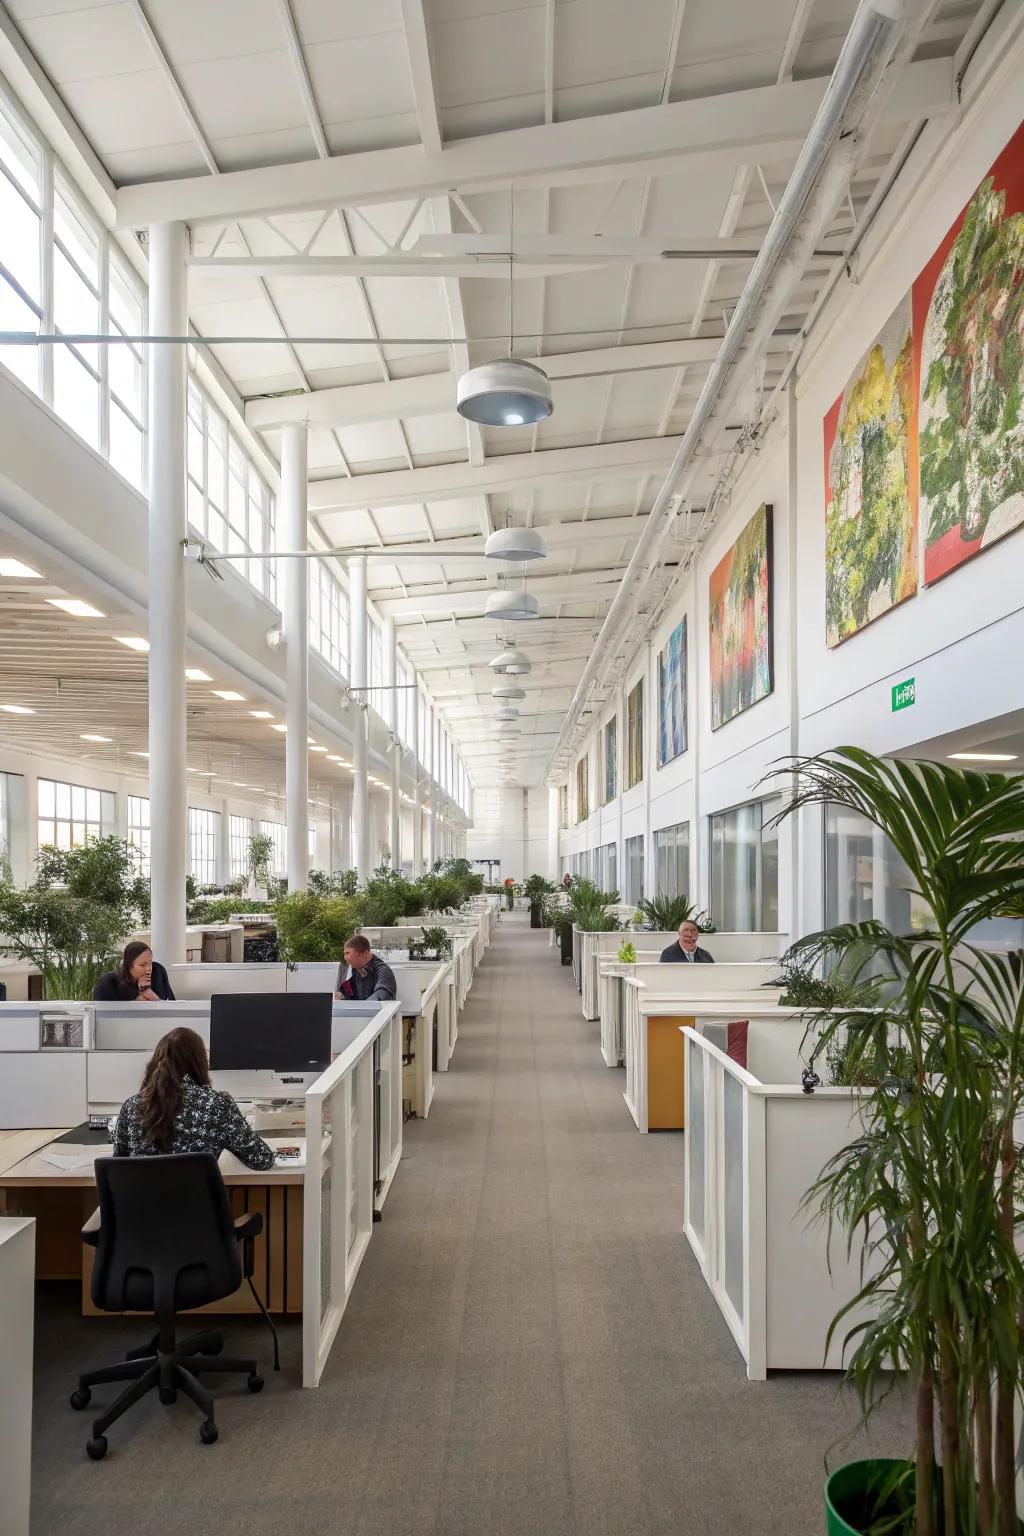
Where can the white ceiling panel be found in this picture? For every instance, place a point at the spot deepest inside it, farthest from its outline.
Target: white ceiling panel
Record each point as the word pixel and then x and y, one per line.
pixel 326 21
pixel 490 58
pixel 358 78
pixel 431 435
pixel 250 93
pixel 191 30
pixel 131 112
pixel 89 44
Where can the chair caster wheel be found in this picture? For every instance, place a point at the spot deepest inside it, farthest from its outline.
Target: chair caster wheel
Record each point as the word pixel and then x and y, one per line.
pixel 255 1382
pixel 208 1431
pixel 81 1398
pixel 96 1448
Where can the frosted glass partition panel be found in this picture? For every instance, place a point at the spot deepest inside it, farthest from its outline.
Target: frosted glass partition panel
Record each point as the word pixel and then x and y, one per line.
pixel 696 1131
pixel 194 981
pixel 732 1193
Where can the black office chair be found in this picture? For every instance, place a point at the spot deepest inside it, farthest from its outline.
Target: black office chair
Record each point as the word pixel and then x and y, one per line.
pixel 166 1242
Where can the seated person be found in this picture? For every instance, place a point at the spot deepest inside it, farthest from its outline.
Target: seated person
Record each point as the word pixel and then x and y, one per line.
pixel 363 975
pixel 177 1109
pixel 685 950
pixel 138 979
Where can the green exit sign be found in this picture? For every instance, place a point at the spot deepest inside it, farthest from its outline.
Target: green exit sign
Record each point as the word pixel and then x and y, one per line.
pixel 904 694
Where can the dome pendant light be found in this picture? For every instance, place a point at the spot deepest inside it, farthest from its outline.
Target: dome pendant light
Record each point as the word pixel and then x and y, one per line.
pixel 511 662
pixel 508 392
pixel 508 691
pixel 512 605
pixel 516 544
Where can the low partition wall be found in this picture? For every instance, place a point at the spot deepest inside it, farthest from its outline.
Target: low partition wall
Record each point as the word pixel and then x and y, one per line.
pixel 751 1151
pixel 726 947
pixel 702 979
pixel 653 1048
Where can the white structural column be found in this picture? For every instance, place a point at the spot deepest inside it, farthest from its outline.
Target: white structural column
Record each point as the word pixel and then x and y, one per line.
pixel 168 525
pixel 417 775
pixel 395 750
pixel 294 580
pixel 432 766
pixel 362 833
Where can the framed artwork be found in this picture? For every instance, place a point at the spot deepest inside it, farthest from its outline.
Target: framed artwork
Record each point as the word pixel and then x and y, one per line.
pixel 583 789
pixel 635 735
pixel 968 328
pixel 871 485
pixel 672 696
pixel 611 759
pixel 740 622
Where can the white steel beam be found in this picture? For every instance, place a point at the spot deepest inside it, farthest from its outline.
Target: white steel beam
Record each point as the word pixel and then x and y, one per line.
pixel 729 129
pixel 502 472
pixel 417 43
pixel 583 586
pixel 429 394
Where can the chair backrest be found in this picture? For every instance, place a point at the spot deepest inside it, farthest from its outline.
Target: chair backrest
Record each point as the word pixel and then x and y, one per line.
pixel 167 1239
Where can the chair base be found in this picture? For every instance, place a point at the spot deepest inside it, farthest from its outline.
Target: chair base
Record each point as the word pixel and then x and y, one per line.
pixel 161 1366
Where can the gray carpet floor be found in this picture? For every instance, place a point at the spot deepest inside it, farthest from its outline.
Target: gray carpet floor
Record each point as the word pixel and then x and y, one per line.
pixel 530 1348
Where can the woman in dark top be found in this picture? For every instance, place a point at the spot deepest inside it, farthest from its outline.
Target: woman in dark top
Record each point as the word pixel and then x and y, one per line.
pixel 138 979
pixel 177 1109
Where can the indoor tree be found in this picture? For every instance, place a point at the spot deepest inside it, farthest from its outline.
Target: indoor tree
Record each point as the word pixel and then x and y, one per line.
pixel 930 1180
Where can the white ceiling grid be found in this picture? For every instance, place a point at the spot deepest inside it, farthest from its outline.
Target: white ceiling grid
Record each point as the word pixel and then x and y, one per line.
pixel 167 89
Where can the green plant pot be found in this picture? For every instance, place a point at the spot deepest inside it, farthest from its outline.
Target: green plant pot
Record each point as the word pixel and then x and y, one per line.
pixel 849 1486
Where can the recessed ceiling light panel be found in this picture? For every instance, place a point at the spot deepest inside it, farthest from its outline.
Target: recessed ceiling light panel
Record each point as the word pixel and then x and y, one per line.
pixel 76 608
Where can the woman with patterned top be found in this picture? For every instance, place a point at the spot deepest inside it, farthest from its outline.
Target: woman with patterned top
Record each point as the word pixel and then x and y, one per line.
pixel 177 1109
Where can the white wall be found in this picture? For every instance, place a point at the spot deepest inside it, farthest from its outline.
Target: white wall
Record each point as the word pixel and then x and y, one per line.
pixel 511 824
pixel 962 639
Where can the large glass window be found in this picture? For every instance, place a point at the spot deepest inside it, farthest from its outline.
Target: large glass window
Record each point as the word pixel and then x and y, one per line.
pixel 203 833
pixel 563 805
pixel 328 616
pixel 609 867
pixel 375 661
pixel 71 814
pixel 745 868
pixel 138 830
pixel 75 283
pixel 634 870
pixel 229 503
pixel 239 831
pixel 672 860
pixel 275 830
pixel 865 876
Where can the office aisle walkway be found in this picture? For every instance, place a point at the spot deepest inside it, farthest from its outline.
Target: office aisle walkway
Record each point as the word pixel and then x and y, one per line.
pixel 530 1349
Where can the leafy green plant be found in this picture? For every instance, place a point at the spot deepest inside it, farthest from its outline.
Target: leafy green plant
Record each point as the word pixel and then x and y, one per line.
pixel 627 953
pixel 311 927
pixel 930 1181
pixel 338 883
pixel 260 855
pixel 440 893
pixel 436 944
pixel 75 915
pixel 536 887
pixel 219 909
pixel 386 897
pixel 663 914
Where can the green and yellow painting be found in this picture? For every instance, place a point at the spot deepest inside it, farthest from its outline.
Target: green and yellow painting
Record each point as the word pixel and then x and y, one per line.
pixel 871 485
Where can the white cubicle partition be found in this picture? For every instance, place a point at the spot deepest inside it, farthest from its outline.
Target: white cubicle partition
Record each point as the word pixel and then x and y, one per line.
pixel 730 948
pixel 17 1288
pixel 338 1184
pixel 752 1148
pixel 729 977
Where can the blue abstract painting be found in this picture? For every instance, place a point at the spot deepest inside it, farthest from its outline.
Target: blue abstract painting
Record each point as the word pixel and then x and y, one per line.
pixel 672 696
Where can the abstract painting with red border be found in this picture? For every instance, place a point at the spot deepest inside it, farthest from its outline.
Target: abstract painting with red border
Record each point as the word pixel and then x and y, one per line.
pixel 968 330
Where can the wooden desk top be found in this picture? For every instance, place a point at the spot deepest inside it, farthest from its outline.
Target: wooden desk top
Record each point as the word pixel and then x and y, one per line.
pixel 22 1167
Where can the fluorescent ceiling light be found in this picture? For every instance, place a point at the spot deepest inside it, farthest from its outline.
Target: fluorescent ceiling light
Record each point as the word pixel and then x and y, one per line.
pixel 91 736
pixel 76 608
pixel 510 604
pixel 19 569
pixel 17 709
pixel 505 393
pixel 139 754
pixel 281 728
pixel 229 695
pixel 318 749
pixel 197 675
pixel 262 714
pixel 516 544
pixel 983 757
pixel 133 642
pixel 238 785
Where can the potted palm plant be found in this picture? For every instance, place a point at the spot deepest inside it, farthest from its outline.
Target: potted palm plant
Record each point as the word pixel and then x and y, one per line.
pixel 931 1178
pixel 535 889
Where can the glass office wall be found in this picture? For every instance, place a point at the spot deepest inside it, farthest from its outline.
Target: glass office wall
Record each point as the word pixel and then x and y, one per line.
pixel 745 868
pixel 672 860
pixel 864 875
pixel 634 869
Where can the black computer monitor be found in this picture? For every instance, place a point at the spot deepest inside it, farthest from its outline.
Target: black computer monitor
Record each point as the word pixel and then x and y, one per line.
pixel 290 1032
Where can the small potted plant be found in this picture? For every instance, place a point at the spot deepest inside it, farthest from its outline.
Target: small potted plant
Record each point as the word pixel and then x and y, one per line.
pixel 435 944
pixel 627 952
pixel 535 889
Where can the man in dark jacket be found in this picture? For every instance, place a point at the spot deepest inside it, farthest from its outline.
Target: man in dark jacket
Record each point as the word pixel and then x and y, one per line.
pixel 364 976
pixel 685 951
